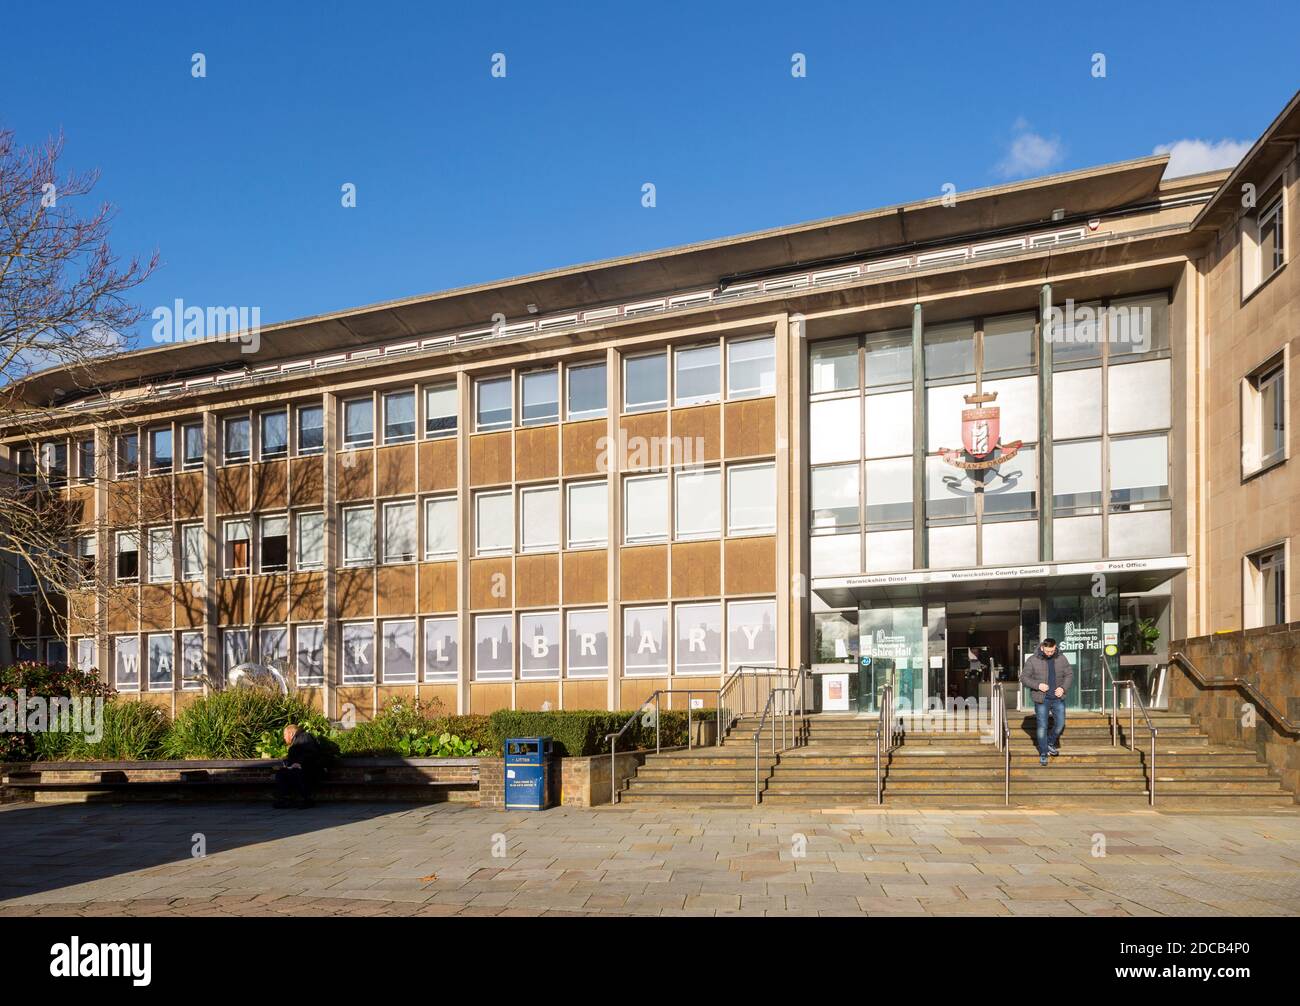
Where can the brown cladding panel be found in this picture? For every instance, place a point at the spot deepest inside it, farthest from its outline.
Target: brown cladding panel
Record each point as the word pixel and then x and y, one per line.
pixel 270 599
pixel 487 697
pixel 232 601
pixel 123 503
pixel 155 607
pixel 489 459
pixel 232 489
pixel 751 428
pixel 359 697
pixel 441 697
pixel 634 691
pixel 537 580
pixel 156 499
pixel 355 474
pixel 438 587
pixel 189 495
pixel 123 608
pixel 356 593
pixel 396 470
pixel 537 453
pixel 585 580
pixel 189 605
pixel 751 565
pixel 307 481
pixel 489 583
pixel 531 695
pixel 437 465
pixel 697 569
pixel 396 586
pixel 81 505
pixel 586 694
pixel 583 448
pixel 81 613
pixel 645 441
pixel 270 485
pixel 391 693
pixel 643 573
pixel 697 434
pixel 306 596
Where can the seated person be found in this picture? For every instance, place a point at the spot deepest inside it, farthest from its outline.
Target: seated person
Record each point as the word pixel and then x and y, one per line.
pixel 302 768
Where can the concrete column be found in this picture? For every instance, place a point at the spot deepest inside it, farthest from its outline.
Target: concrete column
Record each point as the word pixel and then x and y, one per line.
pixel 614 463
pixel 464 543
pixel 920 551
pixel 1045 508
pixel 329 504
pixel 212 659
pixel 790 587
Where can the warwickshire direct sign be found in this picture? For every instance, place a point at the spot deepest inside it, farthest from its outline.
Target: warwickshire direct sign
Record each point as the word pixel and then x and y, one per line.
pixel 1172 562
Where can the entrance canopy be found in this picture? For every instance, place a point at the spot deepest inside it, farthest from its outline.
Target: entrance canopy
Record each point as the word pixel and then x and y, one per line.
pixel 886 589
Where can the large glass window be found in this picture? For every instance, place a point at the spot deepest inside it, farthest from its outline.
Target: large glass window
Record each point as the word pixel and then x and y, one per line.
pixel 399 417
pixel 889 493
pixel 492 404
pixel 889 425
pixel 192 661
pixel 588 515
pixel 234 649
pixel 236 442
pixel 493 647
pixel 945 497
pixel 273 647
pixel 1077 333
pixel 440 411
pixel 834 493
pixel 751 634
pixel 587 655
pixel 751 367
pixel 1076 477
pixel 540 519
pixel 1268 576
pixel 645 509
pixel 399 532
pixel 160 450
pixel 889 359
pixel 645 383
pixel 358 653
pixel 1272 416
pixel 311 540
pixel 835 430
pixel 160 554
pixel 1137 325
pixel 193 547
pixel 1009 342
pixel 833 366
pixel 1015 488
pixel 587 391
pixel 128 556
pixel 440 531
pixel 359 536
pixel 697 375
pixel 1139 471
pixel 949 350
pixel 751 499
pixel 699 504
pixel 192 435
pixel 275 434
pixel 399 652
pixel 645 641
pixel 309 655
pixel 441 652
pixel 86 460
pixel 275 544
pixel 359 422
pixel 699 638
pixel 236 535
pixel 126 662
pixel 539 644
pixel 128 455
pixel 311 429
pixel 540 393
pixel 161 660
pixel 494 524
pixel 87 552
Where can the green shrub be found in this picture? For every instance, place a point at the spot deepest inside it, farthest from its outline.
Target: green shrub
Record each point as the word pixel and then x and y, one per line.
pixel 406 728
pixel 229 724
pixel 271 743
pixel 46 681
pixel 583 731
pixel 133 731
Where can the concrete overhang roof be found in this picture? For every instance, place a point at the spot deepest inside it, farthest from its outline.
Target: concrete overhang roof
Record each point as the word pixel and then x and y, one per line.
pixel 1276 145
pixel 696 266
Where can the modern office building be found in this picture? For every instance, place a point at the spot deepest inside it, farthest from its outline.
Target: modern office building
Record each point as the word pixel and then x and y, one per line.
pixel 898 445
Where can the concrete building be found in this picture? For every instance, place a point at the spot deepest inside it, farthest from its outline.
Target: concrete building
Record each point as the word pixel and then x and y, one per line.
pixel 900 445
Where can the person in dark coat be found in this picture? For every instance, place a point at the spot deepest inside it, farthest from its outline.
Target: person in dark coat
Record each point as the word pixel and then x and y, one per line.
pixel 1048 676
pixel 302 769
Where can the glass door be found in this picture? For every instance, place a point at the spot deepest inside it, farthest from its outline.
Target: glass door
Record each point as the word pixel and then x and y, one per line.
pixel 1078 624
pixel 892 647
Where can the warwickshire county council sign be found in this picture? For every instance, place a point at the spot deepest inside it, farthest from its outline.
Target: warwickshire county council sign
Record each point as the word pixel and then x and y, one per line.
pixel 1172 562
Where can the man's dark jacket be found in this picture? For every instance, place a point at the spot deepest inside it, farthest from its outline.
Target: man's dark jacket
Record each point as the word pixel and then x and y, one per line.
pixel 306 752
pixel 1035 674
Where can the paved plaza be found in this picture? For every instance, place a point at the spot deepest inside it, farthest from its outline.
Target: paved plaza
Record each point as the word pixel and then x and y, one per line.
pixel 340 859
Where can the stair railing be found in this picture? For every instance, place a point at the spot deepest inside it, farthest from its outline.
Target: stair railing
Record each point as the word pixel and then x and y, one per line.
pixel 1002 731
pixel 1280 721
pixel 1114 699
pixel 745 690
pixel 770 708
pixel 1135 702
pixel 883 748
pixel 653 699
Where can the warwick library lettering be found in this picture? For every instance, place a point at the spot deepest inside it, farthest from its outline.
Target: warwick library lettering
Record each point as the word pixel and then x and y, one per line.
pixel 890 446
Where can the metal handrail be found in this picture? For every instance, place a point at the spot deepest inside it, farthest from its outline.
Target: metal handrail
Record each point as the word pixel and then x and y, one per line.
pixel 753 672
pixel 885 722
pixel 654 698
pixel 758 733
pixel 1135 700
pixel 1250 688
pixel 1003 731
pixel 1114 699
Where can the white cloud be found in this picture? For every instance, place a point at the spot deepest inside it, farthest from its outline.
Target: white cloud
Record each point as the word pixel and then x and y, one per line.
pixel 1030 153
pixel 1191 157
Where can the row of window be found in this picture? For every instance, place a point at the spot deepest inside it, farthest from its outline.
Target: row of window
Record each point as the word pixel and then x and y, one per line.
pixel 391 652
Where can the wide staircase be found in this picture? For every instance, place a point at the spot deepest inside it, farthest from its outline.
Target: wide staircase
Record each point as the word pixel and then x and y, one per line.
pixel 946 762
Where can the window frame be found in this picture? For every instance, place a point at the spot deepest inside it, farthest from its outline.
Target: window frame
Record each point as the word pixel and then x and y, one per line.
pixel 556 533
pixel 746 531
pixel 478 499
pixel 228 550
pixel 298 428
pixel 571 542
pixel 497 425
pixel 156 468
pixel 298 537
pixel 536 373
pixel 150 534
pixel 362 560
pixel 708 398
pixel 734 394
pixel 666 533
pixel 368 439
pixel 262 536
pixel 262 452
pixel 703 473
pixel 122 469
pixel 400 438
pixel 188 575
pixel 572 415
pixel 410 506
pixel 656 405
pixel 118 553
pixel 443 432
pixel 429 504
pixel 227 458
pixel 188 463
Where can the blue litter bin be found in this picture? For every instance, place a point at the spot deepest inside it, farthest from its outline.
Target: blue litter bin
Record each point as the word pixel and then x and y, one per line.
pixel 528 772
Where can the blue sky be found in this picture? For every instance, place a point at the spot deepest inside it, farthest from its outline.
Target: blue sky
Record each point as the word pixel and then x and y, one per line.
pixel 463 178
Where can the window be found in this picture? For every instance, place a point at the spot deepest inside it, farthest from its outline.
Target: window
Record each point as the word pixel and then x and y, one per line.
pixel 441 654
pixel 128 556
pixel 835 430
pixel 87 549
pixel 56 653
pixel 834 493
pixel 26 577
pixel 1139 471
pixel 399 417
pixel 1266 579
pixel 358 653
pixel 699 638
pixel 54 461
pixel 494 524
pixel 309 655
pixel 27 464
pixel 275 434
pixel 751 499
pixel 399 532
pixel 539 644
pixel 359 422
pixel 1263 418
pixel 889 493
pixel 587 655
pixel 160 554
pixel 440 531
pixel 699 504
pixel 1009 342
pixel 273 647
pixel 587 399
pixel 236 535
pixel 493 647
pixel 440 410
pixel 949 350
pixel 1076 477
pixel 398 652
pixel 697 375
pixel 310 540
pixel 86 460
pixel 275 544
pixel 311 429
pixel 751 634
pixel 1137 325
pixel 540 394
pixel 161 656
pixel 193 542
pixel 645 641
pixel 126 662
pixel 86 657
pixel 645 383
pixel 833 366
pixel 192 445
pixel 1263 243
pixel 588 515
pixel 645 509
pixel 751 367
pixel 128 454
pixel 192 660
pixel 234 649
pixel 539 519
pixel 237 444
pixel 1271 245
pixel 492 404
pixel 889 359
pixel 359 536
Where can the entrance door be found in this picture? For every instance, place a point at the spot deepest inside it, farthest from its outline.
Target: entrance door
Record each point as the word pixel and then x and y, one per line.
pixel 892 647
pixel 1078 623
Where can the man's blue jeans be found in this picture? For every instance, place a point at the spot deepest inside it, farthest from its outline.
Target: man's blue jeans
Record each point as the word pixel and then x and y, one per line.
pixel 1056 708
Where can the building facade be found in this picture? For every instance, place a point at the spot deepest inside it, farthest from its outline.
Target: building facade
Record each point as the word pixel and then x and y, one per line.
pixel 900 446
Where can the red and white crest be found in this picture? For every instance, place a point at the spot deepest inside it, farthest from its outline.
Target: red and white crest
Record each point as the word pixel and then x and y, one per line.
pixel 979 430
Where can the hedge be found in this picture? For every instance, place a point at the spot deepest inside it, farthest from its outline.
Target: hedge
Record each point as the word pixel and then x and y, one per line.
pixel 578 732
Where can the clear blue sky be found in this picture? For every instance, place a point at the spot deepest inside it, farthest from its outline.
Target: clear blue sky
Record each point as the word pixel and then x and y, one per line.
pixel 462 177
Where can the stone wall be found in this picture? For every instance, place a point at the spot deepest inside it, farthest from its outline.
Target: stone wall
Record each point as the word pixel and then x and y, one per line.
pixel 1269 658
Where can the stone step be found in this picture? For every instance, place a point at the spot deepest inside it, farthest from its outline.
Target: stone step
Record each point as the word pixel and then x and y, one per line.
pixel 639 785
pixel 687 798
